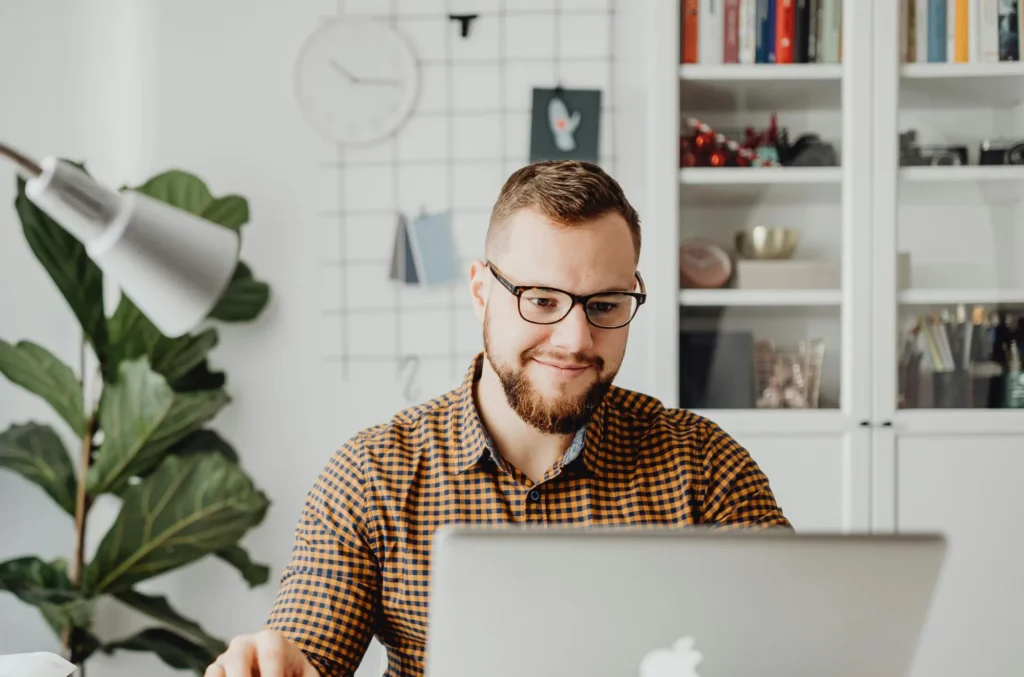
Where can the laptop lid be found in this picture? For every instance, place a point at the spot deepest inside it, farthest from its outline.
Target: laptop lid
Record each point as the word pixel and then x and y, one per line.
pixel 554 601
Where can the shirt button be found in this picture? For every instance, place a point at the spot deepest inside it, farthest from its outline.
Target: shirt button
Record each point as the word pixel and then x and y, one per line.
pixel 535 495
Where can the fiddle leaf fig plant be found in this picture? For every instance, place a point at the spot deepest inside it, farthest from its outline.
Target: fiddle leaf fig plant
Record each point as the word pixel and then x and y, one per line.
pixel 147 440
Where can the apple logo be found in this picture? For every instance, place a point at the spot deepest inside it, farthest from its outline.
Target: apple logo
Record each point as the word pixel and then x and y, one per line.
pixel 679 661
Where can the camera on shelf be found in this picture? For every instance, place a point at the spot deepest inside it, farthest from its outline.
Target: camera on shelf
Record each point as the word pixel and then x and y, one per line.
pixel 1001 152
pixel 913 154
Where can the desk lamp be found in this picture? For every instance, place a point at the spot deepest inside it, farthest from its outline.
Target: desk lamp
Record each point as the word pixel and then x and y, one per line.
pixel 172 264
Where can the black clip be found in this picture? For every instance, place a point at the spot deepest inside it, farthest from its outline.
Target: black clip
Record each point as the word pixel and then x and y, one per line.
pixel 464 21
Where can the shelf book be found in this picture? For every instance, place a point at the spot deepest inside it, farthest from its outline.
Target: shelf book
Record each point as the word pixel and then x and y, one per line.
pixel 761 31
pixel 960 31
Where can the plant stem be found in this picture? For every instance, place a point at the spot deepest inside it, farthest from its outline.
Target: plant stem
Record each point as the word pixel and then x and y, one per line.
pixel 82 505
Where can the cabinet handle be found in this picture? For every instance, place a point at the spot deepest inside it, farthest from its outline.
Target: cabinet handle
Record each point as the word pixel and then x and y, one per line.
pixel 865 424
pixel 886 424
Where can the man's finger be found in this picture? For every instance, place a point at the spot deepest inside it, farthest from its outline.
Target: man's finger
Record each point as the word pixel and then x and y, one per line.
pixel 270 657
pixel 237 661
pixel 214 670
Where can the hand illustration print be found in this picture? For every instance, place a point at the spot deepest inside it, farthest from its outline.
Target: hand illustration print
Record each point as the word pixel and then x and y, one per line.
pixel 563 126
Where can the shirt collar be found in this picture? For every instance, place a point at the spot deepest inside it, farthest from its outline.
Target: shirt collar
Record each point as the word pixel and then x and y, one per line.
pixel 474 444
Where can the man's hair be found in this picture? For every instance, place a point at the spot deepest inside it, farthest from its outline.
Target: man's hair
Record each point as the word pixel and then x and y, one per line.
pixel 568 192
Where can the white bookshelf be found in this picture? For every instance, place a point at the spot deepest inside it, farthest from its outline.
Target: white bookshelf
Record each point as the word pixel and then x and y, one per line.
pixel 867 463
pixel 763 298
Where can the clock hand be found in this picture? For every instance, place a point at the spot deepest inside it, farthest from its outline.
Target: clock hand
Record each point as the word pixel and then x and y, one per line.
pixel 344 73
pixel 362 81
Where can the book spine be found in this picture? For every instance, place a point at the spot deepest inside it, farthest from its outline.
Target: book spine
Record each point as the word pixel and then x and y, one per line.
pixel 709 32
pixel 785 15
pixel 747 36
pixel 691 10
pixel 1009 31
pixel 801 27
pixel 731 32
pixel 906 32
pixel 921 30
pixel 936 31
pixel 988 31
pixel 830 25
pixel 814 32
pixel 950 30
pixel 961 43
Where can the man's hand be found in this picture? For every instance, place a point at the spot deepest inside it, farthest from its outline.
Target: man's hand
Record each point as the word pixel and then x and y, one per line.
pixel 266 654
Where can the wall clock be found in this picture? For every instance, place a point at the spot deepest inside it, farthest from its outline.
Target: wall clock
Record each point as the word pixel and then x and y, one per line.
pixel 356 80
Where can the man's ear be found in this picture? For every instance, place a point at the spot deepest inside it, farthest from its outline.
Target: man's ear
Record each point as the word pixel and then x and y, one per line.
pixel 479 287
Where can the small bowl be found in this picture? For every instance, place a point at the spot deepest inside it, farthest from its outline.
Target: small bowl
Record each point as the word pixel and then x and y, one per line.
pixel 763 242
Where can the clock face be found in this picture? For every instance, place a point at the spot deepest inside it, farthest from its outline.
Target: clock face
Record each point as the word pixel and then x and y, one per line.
pixel 356 80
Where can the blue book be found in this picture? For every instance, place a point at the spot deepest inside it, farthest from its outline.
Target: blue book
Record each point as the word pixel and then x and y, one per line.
pixel 936 31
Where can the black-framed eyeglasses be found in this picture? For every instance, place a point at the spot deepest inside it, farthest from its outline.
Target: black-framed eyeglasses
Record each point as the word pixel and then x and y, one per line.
pixel 547 305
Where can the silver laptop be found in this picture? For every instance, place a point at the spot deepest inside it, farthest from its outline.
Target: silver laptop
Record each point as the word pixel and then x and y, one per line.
pixel 618 602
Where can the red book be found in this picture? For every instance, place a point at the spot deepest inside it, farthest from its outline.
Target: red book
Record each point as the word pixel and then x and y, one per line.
pixel 785 27
pixel 731 32
pixel 690 16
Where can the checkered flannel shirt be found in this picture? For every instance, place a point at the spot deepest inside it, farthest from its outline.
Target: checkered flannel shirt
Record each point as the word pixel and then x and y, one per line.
pixel 361 557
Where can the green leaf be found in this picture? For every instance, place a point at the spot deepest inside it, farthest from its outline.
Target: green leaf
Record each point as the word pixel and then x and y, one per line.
pixel 231 211
pixel 254 574
pixel 190 507
pixel 175 358
pixel 200 378
pixel 202 442
pixel 244 299
pixel 179 189
pixel 157 607
pixel 142 417
pixel 40 372
pixel 36 453
pixel 64 258
pixel 173 649
pixel 45 585
pixel 132 335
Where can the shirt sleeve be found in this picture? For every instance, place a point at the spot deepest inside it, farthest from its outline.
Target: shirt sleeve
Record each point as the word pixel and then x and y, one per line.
pixel 329 595
pixel 737 493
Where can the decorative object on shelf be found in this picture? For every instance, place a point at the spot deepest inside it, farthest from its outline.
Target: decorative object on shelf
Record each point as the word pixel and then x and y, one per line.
pixel 703 265
pixel 424 251
pixel 565 125
pixel 142 416
pixel 912 154
pixel 789 379
pixel 356 80
pixel 702 146
pixel 764 242
pixel 1001 152
pixel 950 360
pixel 464 22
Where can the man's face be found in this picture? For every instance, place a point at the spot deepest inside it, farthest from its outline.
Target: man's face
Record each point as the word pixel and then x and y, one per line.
pixel 555 375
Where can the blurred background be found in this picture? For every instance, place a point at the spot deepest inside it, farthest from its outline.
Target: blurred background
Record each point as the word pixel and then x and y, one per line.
pixel 833 237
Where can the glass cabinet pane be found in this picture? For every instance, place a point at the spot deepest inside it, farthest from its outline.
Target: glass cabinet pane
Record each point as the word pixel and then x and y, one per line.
pixel 960 225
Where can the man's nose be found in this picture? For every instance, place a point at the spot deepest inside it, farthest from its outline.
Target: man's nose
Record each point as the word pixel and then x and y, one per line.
pixel 573 333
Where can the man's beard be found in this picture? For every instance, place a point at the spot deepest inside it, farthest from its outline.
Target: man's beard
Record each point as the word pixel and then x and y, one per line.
pixel 563 416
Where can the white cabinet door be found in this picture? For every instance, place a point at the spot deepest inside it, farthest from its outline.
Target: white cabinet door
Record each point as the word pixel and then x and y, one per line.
pixel 966 486
pixel 820 480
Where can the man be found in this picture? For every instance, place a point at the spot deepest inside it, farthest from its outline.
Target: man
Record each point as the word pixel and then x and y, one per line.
pixel 536 433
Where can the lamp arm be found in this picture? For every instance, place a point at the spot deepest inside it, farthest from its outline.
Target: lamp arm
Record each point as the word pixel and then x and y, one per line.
pixel 22 161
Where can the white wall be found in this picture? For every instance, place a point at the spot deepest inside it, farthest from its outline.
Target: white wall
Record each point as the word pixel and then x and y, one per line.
pixel 134 87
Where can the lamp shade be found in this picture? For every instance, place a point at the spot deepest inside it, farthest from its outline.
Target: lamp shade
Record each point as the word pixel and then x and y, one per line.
pixel 172 264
